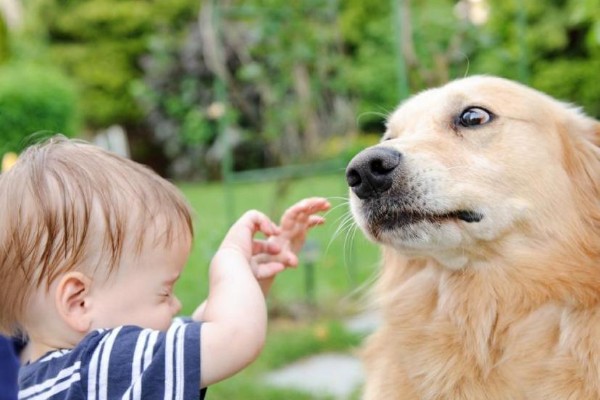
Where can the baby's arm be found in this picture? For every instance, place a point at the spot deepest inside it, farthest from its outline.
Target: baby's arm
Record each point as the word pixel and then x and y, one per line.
pixel 280 251
pixel 295 223
pixel 235 314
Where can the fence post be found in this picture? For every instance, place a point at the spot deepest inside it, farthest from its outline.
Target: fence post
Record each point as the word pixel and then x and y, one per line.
pixel 398 9
pixel 220 90
pixel 521 31
pixel 311 253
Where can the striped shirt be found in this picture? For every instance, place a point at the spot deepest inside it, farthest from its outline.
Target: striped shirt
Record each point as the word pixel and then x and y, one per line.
pixel 126 362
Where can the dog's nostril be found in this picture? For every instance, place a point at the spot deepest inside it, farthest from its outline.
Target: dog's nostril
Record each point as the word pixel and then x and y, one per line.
pixel 384 163
pixel 353 178
pixel 378 167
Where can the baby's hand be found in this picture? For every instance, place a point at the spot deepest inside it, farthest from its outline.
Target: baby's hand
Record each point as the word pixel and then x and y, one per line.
pixel 281 249
pixel 297 220
pixel 240 237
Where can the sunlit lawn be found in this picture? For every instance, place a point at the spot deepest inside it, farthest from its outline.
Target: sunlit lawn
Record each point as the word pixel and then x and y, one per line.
pixel 305 318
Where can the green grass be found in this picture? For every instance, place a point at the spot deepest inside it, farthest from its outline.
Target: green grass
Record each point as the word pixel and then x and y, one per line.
pixel 286 342
pixel 302 322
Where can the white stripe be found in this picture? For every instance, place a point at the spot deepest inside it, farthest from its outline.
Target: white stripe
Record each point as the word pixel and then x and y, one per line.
pixel 180 362
pixel 55 354
pixel 169 362
pixel 146 361
pixel 148 355
pixel 72 370
pixel 93 369
pixel 137 364
pixel 104 363
pixel 61 387
pixel 134 391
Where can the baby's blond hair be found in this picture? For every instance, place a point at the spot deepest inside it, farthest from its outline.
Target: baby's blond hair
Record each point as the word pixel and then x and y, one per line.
pixel 62 197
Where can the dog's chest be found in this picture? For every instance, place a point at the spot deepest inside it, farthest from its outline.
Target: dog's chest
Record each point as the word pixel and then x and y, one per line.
pixel 442 344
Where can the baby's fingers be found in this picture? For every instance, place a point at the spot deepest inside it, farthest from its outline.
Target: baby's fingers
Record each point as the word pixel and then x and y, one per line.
pixel 301 210
pixel 312 205
pixel 269 270
pixel 265 266
pixel 241 235
pixel 266 247
pixel 318 204
pixel 259 222
pixel 315 220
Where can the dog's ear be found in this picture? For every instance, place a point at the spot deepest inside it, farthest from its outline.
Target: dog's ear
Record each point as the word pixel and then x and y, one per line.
pixel 590 129
pixel 578 124
pixel 596 134
pixel 580 136
pixel 581 145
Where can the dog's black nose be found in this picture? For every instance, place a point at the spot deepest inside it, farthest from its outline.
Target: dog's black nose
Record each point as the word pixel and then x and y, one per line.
pixel 370 171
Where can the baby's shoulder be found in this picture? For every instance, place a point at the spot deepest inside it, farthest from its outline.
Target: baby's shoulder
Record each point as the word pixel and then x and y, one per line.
pixel 113 360
pixel 129 341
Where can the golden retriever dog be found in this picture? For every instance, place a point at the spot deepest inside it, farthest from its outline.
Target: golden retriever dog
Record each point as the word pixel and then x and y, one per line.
pixel 485 197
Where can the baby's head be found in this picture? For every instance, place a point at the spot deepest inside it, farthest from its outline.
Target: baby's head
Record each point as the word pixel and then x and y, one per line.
pixel 88 239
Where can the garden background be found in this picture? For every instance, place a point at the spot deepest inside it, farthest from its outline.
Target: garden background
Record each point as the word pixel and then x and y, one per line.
pixel 257 103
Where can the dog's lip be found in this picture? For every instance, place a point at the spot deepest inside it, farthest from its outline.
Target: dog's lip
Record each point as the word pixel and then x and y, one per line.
pixel 469 216
pixel 402 218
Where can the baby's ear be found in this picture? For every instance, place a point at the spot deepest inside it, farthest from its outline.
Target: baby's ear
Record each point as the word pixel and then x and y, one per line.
pixel 72 300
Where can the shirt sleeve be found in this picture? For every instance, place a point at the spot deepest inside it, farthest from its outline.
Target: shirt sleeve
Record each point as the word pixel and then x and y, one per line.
pixel 134 363
pixel 9 366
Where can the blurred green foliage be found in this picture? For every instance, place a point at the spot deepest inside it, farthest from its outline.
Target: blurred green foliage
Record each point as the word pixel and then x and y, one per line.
pixel 272 68
pixel 291 76
pixel 34 99
pixel 347 148
pixel 4 42
pixel 100 44
pixel 434 48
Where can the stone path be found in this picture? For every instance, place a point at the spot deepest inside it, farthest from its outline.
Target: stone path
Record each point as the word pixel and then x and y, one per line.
pixel 334 374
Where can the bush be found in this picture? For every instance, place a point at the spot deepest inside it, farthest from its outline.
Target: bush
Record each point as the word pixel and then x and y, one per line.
pixel 100 43
pixel 345 148
pixel 34 99
pixel 571 80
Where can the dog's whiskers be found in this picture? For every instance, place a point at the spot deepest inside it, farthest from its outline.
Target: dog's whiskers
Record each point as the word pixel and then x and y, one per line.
pixel 345 224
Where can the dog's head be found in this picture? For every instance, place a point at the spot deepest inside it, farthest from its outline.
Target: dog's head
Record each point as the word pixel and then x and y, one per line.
pixel 474 167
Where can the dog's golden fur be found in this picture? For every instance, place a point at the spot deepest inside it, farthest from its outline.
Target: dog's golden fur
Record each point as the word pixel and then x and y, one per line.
pixel 504 305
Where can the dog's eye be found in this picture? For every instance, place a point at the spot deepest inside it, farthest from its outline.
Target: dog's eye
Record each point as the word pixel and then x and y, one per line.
pixel 474 116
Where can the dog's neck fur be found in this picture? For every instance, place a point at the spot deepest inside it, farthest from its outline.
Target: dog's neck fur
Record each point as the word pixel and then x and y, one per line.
pixel 518 281
pixel 463 319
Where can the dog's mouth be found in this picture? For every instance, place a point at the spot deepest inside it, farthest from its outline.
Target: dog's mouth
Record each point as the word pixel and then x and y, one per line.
pixel 399 219
pixel 467 216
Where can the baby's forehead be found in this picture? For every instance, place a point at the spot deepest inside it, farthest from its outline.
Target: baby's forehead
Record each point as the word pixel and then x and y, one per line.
pixel 140 226
pixel 144 252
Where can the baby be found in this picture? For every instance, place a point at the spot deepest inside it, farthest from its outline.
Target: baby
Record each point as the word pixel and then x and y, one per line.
pixel 91 245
